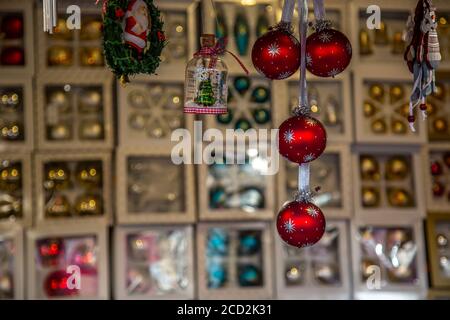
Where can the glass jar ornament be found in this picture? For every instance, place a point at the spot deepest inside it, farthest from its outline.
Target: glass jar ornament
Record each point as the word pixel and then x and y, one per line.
pixel 206 88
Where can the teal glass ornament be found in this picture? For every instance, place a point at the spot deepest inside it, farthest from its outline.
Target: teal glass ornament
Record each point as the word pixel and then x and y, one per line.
pixel 243 124
pixel 225 118
pixel 260 95
pixel 262 25
pixel 261 115
pixel 242 84
pixel 241 34
pixel 221 27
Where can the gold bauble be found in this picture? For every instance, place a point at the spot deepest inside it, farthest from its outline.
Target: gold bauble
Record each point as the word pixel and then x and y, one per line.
pixel 90 101
pixel 59 56
pixel 396 93
pixel 10 100
pixel 61 32
pixel 89 175
pixel 60 99
pixel 397 168
pixel 370 197
pixel 11 131
pixel 431 109
pixel 91 30
pixel 369 168
pixel 399 197
pixel 398 45
pixel 439 91
pixel 88 205
pixel 10 177
pixel 365 44
pixel 381 34
pixel 369 109
pixel 58 206
pixel 376 92
pixel 91 130
pixel 378 126
pixel 398 127
pixel 60 132
pixel 440 125
pixel 91 57
pixel 57 176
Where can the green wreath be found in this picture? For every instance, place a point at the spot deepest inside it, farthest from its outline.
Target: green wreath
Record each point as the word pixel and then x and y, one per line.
pixel 123 59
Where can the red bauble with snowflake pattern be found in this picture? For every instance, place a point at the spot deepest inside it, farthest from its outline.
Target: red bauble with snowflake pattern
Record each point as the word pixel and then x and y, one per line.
pixel 301 139
pixel 328 53
pixel 276 54
pixel 301 224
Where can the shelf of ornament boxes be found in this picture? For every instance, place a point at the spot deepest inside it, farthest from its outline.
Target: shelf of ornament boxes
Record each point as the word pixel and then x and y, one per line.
pixel 17 45
pixel 56 254
pixel 388 254
pixel 12 264
pixel 139 253
pixel 233 260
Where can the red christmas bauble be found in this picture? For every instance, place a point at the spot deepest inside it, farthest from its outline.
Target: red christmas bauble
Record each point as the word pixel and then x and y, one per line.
pixel 328 53
pixel 12 27
pixel 436 168
pixel 300 224
pixel 55 285
pixel 12 56
pixel 438 189
pixel 276 54
pixel 301 139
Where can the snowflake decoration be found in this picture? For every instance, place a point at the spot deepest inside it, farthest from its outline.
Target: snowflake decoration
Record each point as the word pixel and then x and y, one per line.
pixel 284 75
pixel 308 59
pixel 325 37
pixel 311 122
pixel 289 226
pixel 333 72
pixel 312 212
pixel 274 50
pixel 201 74
pixel 307 244
pixel 289 136
pixel 308 157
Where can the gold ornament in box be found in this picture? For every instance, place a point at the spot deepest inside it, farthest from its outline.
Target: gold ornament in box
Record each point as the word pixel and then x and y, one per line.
pixel 59 56
pixel 399 197
pixel 439 91
pixel 90 101
pixel 440 125
pixel 10 101
pixel 88 205
pixel 91 30
pixel 379 126
pixel 396 93
pixel 91 130
pixel 60 131
pixel 369 109
pixel 397 168
pixel 91 57
pixel 89 175
pixel 57 176
pixel 398 45
pixel 58 206
pixel 370 197
pixel 61 32
pixel 59 99
pixel 398 126
pixel 367 266
pixel 381 35
pixel 10 176
pixel 376 92
pixel 365 44
pixel 11 131
pixel 370 169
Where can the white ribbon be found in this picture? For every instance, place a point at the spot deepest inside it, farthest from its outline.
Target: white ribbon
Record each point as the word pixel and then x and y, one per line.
pixel 288 11
pixel 319 10
pixel 49 15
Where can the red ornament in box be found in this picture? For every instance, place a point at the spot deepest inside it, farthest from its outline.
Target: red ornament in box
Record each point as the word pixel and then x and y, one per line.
pixel 276 54
pixel 12 56
pixel 436 168
pixel 12 27
pixel 301 139
pixel 438 189
pixel 56 285
pixel 328 52
pixel 300 224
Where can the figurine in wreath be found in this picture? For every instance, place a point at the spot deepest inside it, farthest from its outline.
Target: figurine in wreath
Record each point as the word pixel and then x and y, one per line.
pixel 137 25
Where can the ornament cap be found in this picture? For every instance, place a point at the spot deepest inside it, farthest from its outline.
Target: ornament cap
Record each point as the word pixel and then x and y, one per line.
pixel 207 40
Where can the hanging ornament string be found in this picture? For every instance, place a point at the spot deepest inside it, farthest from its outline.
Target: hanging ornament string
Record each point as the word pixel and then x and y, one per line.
pixel 49 15
pixel 219 48
pixel 287 13
pixel 304 192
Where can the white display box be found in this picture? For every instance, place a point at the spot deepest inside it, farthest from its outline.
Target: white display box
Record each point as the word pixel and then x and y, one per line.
pixel 382 274
pixel 50 250
pixel 436 154
pixel 318 272
pixel 12 261
pixel 154 262
pixel 152 189
pixel 232 265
